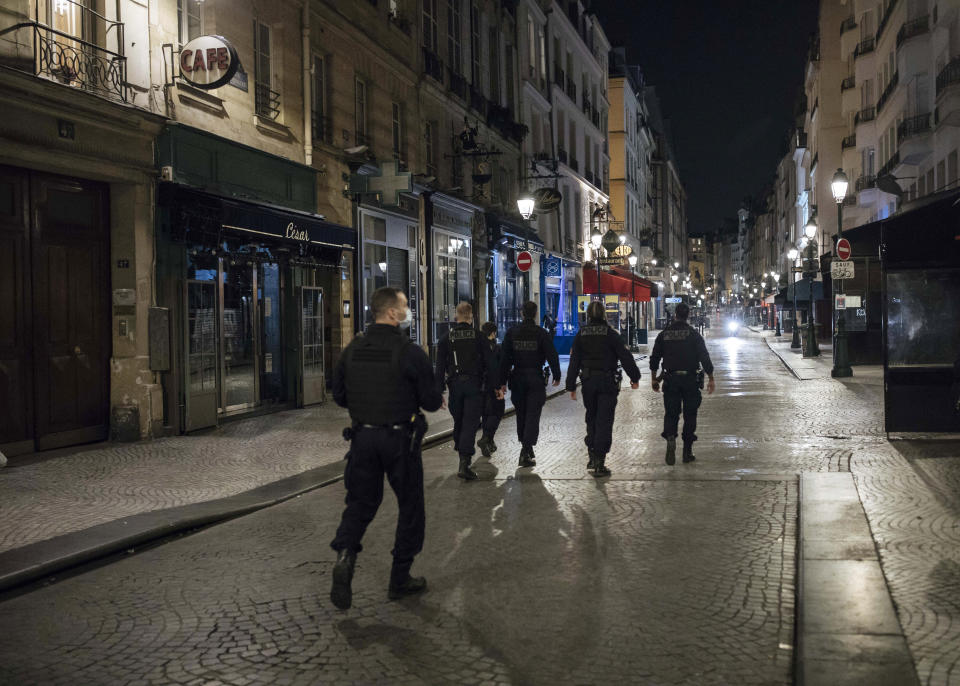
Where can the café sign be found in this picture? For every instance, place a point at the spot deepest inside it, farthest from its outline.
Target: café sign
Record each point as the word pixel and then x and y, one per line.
pixel 208 62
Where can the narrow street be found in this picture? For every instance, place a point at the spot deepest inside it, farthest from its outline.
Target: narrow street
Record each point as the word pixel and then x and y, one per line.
pixel 657 575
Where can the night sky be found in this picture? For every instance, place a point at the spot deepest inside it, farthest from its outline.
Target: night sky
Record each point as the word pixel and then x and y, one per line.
pixel 727 73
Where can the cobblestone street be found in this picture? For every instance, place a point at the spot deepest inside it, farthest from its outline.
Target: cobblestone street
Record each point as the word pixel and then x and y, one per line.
pixel 656 575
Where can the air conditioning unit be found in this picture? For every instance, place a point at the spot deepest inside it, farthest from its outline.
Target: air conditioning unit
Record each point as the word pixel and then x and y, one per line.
pixel 166 173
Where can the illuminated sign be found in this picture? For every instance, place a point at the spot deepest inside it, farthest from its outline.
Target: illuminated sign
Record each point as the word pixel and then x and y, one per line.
pixel 208 62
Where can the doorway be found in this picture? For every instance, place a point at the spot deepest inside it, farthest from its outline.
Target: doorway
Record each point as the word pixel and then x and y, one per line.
pixel 54 311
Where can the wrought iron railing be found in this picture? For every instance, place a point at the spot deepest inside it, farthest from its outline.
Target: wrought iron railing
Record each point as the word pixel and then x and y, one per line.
pixel 267 101
pixel 912 28
pixel 432 65
pixel 864 47
pixel 849 142
pixel 848 24
pixel 888 91
pixel 891 163
pixel 949 75
pixel 865 115
pixel 864 182
pixel 848 83
pixel 885 18
pixel 850 201
pixel 71 60
pixel 913 126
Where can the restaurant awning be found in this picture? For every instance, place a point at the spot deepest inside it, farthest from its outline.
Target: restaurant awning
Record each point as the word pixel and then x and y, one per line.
pixel 639 280
pixel 610 284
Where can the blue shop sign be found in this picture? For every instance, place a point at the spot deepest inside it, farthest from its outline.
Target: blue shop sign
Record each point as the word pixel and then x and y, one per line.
pixel 552 266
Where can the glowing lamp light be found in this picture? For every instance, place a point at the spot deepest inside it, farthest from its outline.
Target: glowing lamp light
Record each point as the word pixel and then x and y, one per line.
pixel 676 265
pixel 810 230
pixel 596 238
pixel 622 238
pixel 653 262
pixel 632 259
pixel 793 253
pixel 674 277
pixel 525 204
pixel 839 185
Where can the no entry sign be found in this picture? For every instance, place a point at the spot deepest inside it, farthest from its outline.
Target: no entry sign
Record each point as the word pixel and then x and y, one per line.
pixel 843 249
pixel 524 260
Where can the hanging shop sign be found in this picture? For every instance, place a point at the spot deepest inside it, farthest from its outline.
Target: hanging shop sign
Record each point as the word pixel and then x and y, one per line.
pixel 547 199
pixel 552 266
pixel 208 62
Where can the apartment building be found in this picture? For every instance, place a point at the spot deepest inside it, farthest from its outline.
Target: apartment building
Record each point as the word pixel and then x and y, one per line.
pixel 669 197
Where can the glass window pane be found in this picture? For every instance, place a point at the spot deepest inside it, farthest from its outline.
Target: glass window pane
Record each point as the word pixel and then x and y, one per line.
pixel 923 317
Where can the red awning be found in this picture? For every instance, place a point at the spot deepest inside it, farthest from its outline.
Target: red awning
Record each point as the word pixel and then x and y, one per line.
pixel 611 284
pixel 639 280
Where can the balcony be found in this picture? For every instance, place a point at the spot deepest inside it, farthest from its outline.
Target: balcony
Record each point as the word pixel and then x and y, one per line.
pixel 432 65
pixel 865 115
pixel 885 19
pixel 849 142
pixel 864 47
pixel 913 126
pixel 458 84
pixel 913 28
pixel 267 101
pixel 949 75
pixel 914 139
pixel 888 91
pixel 850 201
pixel 848 24
pixel 848 83
pixel 948 95
pixel 865 183
pixel 891 163
pixel 61 57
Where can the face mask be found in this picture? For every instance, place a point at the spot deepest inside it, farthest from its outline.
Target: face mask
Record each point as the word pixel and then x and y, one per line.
pixel 407 320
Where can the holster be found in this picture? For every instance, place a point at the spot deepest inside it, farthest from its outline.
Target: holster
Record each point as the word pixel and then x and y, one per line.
pixel 700 376
pixel 418 429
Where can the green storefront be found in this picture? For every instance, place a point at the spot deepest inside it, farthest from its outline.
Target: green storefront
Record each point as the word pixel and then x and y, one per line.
pixel 253 288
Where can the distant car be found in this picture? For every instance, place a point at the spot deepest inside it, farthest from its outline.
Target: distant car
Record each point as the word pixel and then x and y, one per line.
pixel 733 327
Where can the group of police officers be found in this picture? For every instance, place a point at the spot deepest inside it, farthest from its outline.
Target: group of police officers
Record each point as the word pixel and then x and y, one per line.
pixel 385 381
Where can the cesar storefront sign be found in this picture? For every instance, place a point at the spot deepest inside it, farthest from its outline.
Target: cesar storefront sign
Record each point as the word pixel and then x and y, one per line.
pixel 208 62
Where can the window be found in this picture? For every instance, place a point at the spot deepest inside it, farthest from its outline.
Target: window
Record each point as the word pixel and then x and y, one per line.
pixel 267 99
pixel 360 112
pixel 397 132
pixel 531 41
pixel 494 41
pixel 475 44
pixel 952 168
pixel 318 95
pixel 542 48
pixel 430 148
pixel 189 20
pixel 430 40
pixel 454 27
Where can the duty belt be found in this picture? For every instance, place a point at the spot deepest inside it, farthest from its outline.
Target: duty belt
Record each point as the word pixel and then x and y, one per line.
pixel 681 372
pixel 587 373
pixel 395 427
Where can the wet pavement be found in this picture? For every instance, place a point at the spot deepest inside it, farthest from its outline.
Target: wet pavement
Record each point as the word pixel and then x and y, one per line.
pixel 657 575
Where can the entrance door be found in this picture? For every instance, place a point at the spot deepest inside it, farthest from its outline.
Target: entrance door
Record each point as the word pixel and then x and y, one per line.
pixel 237 335
pixel 71 315
pixel 201 346
pixel 311 345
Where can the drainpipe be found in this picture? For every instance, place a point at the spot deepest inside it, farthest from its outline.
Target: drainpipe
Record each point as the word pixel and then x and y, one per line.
pixel 307 124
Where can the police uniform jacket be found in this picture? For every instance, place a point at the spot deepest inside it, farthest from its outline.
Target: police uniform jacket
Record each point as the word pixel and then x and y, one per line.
pixel 463 351
pixel 681 348
pixel 525 348
pixel 596 349
pixel 383 379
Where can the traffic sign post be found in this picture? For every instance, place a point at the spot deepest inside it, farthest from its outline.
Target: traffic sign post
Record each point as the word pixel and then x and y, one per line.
pixel 524 261
pixel 843 249
pixel 840 269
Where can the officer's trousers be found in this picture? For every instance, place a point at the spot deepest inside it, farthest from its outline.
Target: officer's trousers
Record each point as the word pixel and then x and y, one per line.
pixel 600 400
pixel 681 392
pixel 466 404
pixel 373 453
pixel 493 410
pixel 528 395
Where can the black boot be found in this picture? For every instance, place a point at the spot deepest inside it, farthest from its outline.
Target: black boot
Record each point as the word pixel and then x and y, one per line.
pixel 486 449
pixel 600 469
pixel 526 457
pixel 672 450
pixel 341 594
pixel 493 445
pixel 465 471
pixel 592 462
pixel 402 584
pixel 688 455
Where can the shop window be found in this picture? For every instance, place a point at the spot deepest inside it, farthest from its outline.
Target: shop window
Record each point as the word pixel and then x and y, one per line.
pixel 374 228
pixel 451 278
pixel 189 20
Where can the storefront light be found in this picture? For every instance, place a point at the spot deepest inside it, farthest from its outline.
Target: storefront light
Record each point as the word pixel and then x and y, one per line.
pixel 596 238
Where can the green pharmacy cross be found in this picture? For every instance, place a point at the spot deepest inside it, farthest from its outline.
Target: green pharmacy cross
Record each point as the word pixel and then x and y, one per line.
pixel 390 184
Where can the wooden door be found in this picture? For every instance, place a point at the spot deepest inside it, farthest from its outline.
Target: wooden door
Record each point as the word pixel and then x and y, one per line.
pixel 16 383
pixel 71 311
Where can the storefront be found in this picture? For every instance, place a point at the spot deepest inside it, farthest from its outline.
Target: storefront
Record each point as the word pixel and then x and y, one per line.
pixel 512 287
pixel 390 256
pixel 558 278
pixel 450 261
pixel 254 298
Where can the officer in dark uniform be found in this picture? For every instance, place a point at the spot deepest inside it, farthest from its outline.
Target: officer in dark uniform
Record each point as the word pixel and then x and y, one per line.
pixel 384 380
pixel 464 364
pixel 596 350
pixel 525 349
pixel 493 402
pixel 684 353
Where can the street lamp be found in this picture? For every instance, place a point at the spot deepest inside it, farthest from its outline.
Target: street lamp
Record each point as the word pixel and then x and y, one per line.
pixel 525 204
pixel 776 314
pixel 841 358
pixel 810 269
pixel 632 261
pixel 795 340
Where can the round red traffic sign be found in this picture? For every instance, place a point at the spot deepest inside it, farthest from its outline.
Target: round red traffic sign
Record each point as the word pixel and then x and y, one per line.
pixel 843 249
pixel 524 260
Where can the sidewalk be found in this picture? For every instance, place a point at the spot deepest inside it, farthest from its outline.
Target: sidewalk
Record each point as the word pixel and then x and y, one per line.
pixel 91 501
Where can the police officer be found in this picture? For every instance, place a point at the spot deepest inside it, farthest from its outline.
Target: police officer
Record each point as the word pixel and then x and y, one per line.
pixel 525 349
pixel 464 364
pixel 684 353
pixel 493 402
pixel 384 380
pixel 596 350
